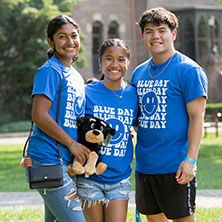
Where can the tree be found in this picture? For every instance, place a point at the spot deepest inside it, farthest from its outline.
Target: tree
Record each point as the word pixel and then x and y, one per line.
pixel 23 48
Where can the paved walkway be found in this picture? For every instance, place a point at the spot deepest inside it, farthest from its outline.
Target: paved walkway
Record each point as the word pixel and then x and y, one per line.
pixel 205 198
pixel 20 137
pixel 13 138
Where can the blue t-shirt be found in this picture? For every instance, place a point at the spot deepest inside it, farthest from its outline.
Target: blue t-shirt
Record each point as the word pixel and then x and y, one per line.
pixel 162 140
pixel 120 114
pixel 47 82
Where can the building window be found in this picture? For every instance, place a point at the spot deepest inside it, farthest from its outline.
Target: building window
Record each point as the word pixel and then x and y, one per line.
pixel 216 38
pixel 203 39
pixel 113 30
pixel 189 39
pixel 97 39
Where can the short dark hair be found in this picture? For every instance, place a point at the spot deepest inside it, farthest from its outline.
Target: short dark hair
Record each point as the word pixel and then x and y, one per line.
pixel 157 16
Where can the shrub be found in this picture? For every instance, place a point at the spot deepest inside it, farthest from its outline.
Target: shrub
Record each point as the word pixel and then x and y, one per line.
pixel 214 108
pixel 15 127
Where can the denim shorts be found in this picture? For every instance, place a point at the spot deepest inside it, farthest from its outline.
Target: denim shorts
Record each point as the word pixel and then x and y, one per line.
pixel 93 191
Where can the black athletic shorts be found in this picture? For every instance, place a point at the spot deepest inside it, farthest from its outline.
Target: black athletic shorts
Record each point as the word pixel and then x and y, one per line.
pixel 162 194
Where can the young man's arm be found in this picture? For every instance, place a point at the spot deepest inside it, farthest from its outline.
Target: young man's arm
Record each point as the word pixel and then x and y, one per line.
pixel 195 109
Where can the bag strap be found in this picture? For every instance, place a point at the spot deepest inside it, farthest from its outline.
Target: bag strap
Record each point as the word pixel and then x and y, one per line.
pixel 27 140
pixel 57 120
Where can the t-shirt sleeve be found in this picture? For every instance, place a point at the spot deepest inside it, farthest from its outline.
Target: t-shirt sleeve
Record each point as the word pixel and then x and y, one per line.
pixel 194 84
pixel 133 79
pixel 46 82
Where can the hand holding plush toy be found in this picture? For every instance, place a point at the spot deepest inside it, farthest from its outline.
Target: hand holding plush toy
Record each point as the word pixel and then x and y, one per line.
pixel 92 131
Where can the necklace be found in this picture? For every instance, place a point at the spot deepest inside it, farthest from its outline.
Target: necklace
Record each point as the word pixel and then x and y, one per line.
pixel 123 85
pixel 153 77
pixel 121 96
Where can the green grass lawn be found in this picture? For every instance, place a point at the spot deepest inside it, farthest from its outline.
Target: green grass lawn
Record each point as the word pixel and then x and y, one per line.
pixel 209 174
pixel 12 175
pixel 12 178
pixel 209 164
pixel 36 215
pixel 21 215
pixel 202 215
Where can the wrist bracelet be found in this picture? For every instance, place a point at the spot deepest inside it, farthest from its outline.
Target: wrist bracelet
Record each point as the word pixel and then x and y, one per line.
pixel 190 160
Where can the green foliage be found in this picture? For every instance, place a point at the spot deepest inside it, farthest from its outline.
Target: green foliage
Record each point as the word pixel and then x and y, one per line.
pixel 23 49
pixel 4 118
pixel 19 126
pixel 65 5
pixel 213 108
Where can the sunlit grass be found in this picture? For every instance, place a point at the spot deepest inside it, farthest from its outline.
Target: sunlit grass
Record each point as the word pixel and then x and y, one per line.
pixel 202 215
pixel 12 176
pixel 21 215
pixel 37 215
pixel 209 163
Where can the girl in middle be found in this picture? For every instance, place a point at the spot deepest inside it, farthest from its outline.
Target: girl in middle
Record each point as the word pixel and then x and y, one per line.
pixel 105 197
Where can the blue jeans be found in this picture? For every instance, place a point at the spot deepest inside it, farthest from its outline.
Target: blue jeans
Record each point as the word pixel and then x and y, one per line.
pixel 61 204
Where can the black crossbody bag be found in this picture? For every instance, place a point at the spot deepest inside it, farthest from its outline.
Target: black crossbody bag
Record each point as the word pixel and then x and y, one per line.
pixel 49 176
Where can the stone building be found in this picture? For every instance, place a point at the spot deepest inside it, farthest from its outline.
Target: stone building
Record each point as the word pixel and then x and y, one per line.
pixel 199 35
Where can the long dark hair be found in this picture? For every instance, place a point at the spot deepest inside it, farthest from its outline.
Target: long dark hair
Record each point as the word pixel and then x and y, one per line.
pixel 110 43
pixel 54 25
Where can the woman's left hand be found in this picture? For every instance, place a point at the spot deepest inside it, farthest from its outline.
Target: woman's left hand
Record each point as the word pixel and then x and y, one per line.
pixel 80 152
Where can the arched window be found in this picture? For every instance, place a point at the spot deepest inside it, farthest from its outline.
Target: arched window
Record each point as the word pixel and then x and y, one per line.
pixel 202 28
pixel 203 39
pixel 97 38
pixel 217 30
pixel 215 35
pixel 113 30
pixel 217 38
pixel 189 39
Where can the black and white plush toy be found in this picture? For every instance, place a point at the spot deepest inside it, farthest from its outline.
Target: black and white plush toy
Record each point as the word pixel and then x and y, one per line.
pixel 91 132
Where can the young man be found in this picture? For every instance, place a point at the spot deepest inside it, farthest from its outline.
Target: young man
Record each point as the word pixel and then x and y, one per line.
pixel 172 91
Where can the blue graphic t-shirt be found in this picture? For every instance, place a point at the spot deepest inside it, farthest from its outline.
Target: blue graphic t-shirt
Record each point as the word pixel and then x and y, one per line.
pixel 47 82
pixel 119 113
pixel 162 141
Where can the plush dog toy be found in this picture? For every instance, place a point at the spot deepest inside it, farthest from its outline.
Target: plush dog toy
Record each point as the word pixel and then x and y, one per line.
pixel 91 132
